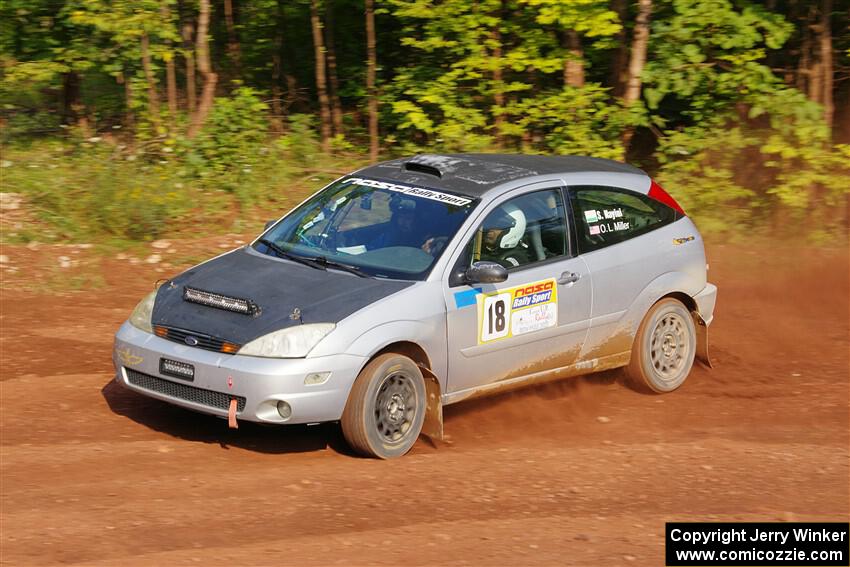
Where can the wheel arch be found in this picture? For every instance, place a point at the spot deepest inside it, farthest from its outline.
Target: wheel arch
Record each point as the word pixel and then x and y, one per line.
pixel 683 297
pixel 433 424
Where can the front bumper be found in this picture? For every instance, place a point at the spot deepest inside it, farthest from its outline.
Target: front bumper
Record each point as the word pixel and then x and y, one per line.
pixel 261 382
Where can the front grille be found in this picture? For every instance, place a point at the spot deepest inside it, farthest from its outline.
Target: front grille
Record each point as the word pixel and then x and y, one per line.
pixel 206 342
pixel 200 396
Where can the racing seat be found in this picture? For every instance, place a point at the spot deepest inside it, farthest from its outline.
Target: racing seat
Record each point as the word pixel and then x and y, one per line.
pixel 535 241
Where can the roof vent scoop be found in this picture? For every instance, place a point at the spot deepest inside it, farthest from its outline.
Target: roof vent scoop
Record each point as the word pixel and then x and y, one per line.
pixel 431 164
pixel 422 168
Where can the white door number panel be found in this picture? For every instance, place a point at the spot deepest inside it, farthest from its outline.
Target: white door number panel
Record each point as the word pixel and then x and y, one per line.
pixel 517 310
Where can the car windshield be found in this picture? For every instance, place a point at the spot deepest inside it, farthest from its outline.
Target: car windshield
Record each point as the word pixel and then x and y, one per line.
pixel 379 228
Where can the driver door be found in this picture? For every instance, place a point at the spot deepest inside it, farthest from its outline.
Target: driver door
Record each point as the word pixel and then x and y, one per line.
pixel 536 320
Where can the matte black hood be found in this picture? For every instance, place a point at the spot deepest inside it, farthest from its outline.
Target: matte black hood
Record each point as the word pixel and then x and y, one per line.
pixel 276 287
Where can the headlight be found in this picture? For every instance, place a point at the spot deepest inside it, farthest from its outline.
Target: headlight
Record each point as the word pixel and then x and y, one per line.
pixel 292 342
pixel 141 315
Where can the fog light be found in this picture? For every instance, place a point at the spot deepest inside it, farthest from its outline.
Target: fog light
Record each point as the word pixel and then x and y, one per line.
pixel 284 409
pixel 316 378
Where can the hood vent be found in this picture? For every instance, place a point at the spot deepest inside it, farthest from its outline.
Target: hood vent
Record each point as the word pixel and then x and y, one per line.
pixel 218 301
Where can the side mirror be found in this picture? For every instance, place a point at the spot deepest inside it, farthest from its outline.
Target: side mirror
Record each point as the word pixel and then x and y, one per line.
pixel 486 272
pixel 269 224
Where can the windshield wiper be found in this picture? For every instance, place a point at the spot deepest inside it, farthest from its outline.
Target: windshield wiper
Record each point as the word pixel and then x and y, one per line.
pixel 323 261
pixel 290 256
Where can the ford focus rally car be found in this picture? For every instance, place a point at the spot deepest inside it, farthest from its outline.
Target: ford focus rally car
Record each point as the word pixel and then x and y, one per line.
pixel 421 282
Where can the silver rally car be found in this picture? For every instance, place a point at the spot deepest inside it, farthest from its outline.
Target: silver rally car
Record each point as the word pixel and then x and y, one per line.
pixel 424 281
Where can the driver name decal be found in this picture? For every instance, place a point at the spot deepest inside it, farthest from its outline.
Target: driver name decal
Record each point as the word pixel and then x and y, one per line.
pixel 518 310
pixel 413 191
pixel 596 216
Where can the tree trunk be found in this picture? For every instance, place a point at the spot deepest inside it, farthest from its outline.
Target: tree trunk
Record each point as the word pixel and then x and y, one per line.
pixel 637 60
pixel 815 69
pixel 277 71
pixel 498 77
pixel 574 62
pixel 129 119
pixel 293 97
pixel 171 80
pixel 234 50
pixel 617 78
pixel 191 97
pixel 371 90
pixel 70 97
pixel 333 80
pixel 153 96
pixel 170 75
pixel 805 63
pixel 210 78
pixel 825 33
pixel 321 82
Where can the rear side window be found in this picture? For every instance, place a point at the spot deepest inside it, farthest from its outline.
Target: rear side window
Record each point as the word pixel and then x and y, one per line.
pixel 608 215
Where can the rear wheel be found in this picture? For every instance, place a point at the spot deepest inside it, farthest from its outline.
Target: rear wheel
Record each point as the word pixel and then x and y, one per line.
pixel 664 348
pixel 386 407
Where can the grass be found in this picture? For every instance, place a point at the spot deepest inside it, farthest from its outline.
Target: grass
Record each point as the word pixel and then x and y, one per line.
pixel 94 192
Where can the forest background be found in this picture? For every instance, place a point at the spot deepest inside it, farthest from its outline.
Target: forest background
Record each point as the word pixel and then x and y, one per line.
pixel 125 121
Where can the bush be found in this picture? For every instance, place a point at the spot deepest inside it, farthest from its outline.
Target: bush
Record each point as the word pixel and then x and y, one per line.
pixel 83 192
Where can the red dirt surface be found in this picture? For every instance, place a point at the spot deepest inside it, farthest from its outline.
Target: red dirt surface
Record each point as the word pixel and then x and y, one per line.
pixel 582 472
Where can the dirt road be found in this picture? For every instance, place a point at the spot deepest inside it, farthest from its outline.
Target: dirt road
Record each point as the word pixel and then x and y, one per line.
pixel 583 472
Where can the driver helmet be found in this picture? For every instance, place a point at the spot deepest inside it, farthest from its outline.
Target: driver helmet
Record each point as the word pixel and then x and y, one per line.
pixel 510 220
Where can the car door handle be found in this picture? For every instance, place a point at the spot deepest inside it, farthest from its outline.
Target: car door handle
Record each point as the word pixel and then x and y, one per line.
pixel 568 278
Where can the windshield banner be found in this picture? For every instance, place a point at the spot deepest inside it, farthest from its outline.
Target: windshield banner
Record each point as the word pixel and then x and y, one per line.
pixel 412 191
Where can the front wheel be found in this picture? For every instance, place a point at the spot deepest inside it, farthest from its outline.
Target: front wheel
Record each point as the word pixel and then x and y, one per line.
pixel 664 348
pixel 386 407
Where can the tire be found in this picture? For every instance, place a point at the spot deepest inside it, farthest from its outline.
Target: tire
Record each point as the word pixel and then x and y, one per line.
pixel 386 407
pixel 664 348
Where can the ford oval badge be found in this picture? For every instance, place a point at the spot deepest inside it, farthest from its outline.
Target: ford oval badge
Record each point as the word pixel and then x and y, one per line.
pixel 191 341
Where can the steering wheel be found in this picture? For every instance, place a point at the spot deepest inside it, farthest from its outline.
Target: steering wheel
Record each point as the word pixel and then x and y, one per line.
pixel 435 245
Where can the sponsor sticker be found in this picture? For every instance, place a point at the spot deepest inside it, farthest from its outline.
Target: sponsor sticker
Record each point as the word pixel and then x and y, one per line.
pixel 413 191
pixel 517 310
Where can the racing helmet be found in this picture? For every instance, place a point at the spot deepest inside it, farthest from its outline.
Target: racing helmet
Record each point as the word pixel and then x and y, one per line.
pixel 511 222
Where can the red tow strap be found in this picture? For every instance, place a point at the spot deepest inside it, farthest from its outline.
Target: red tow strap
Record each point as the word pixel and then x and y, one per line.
pixel 231 415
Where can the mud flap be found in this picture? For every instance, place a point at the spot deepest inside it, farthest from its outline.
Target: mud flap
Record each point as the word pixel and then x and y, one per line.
pixel 433 425
pixel 702 339
pixel 231 414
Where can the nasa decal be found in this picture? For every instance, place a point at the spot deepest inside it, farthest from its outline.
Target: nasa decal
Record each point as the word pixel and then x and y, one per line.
pixel 517 310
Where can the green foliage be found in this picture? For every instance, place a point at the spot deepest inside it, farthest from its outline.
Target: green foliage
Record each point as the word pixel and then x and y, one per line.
pixel 710 54
pixel 574 120
pixel 300 142
pixel 233 133
pixel 735 173
pixel 723 118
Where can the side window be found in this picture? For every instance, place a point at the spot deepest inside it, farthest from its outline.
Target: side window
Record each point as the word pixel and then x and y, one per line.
pixel 607 215
pixel 524 230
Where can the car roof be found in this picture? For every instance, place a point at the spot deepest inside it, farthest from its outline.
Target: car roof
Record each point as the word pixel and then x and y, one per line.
pixel 475 174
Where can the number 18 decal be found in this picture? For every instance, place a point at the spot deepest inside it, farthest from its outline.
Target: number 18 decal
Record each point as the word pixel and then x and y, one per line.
pixel 496 315
pixel 518 310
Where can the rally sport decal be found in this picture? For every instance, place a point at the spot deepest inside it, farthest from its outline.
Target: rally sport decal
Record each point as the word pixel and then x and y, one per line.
pixel 517 310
